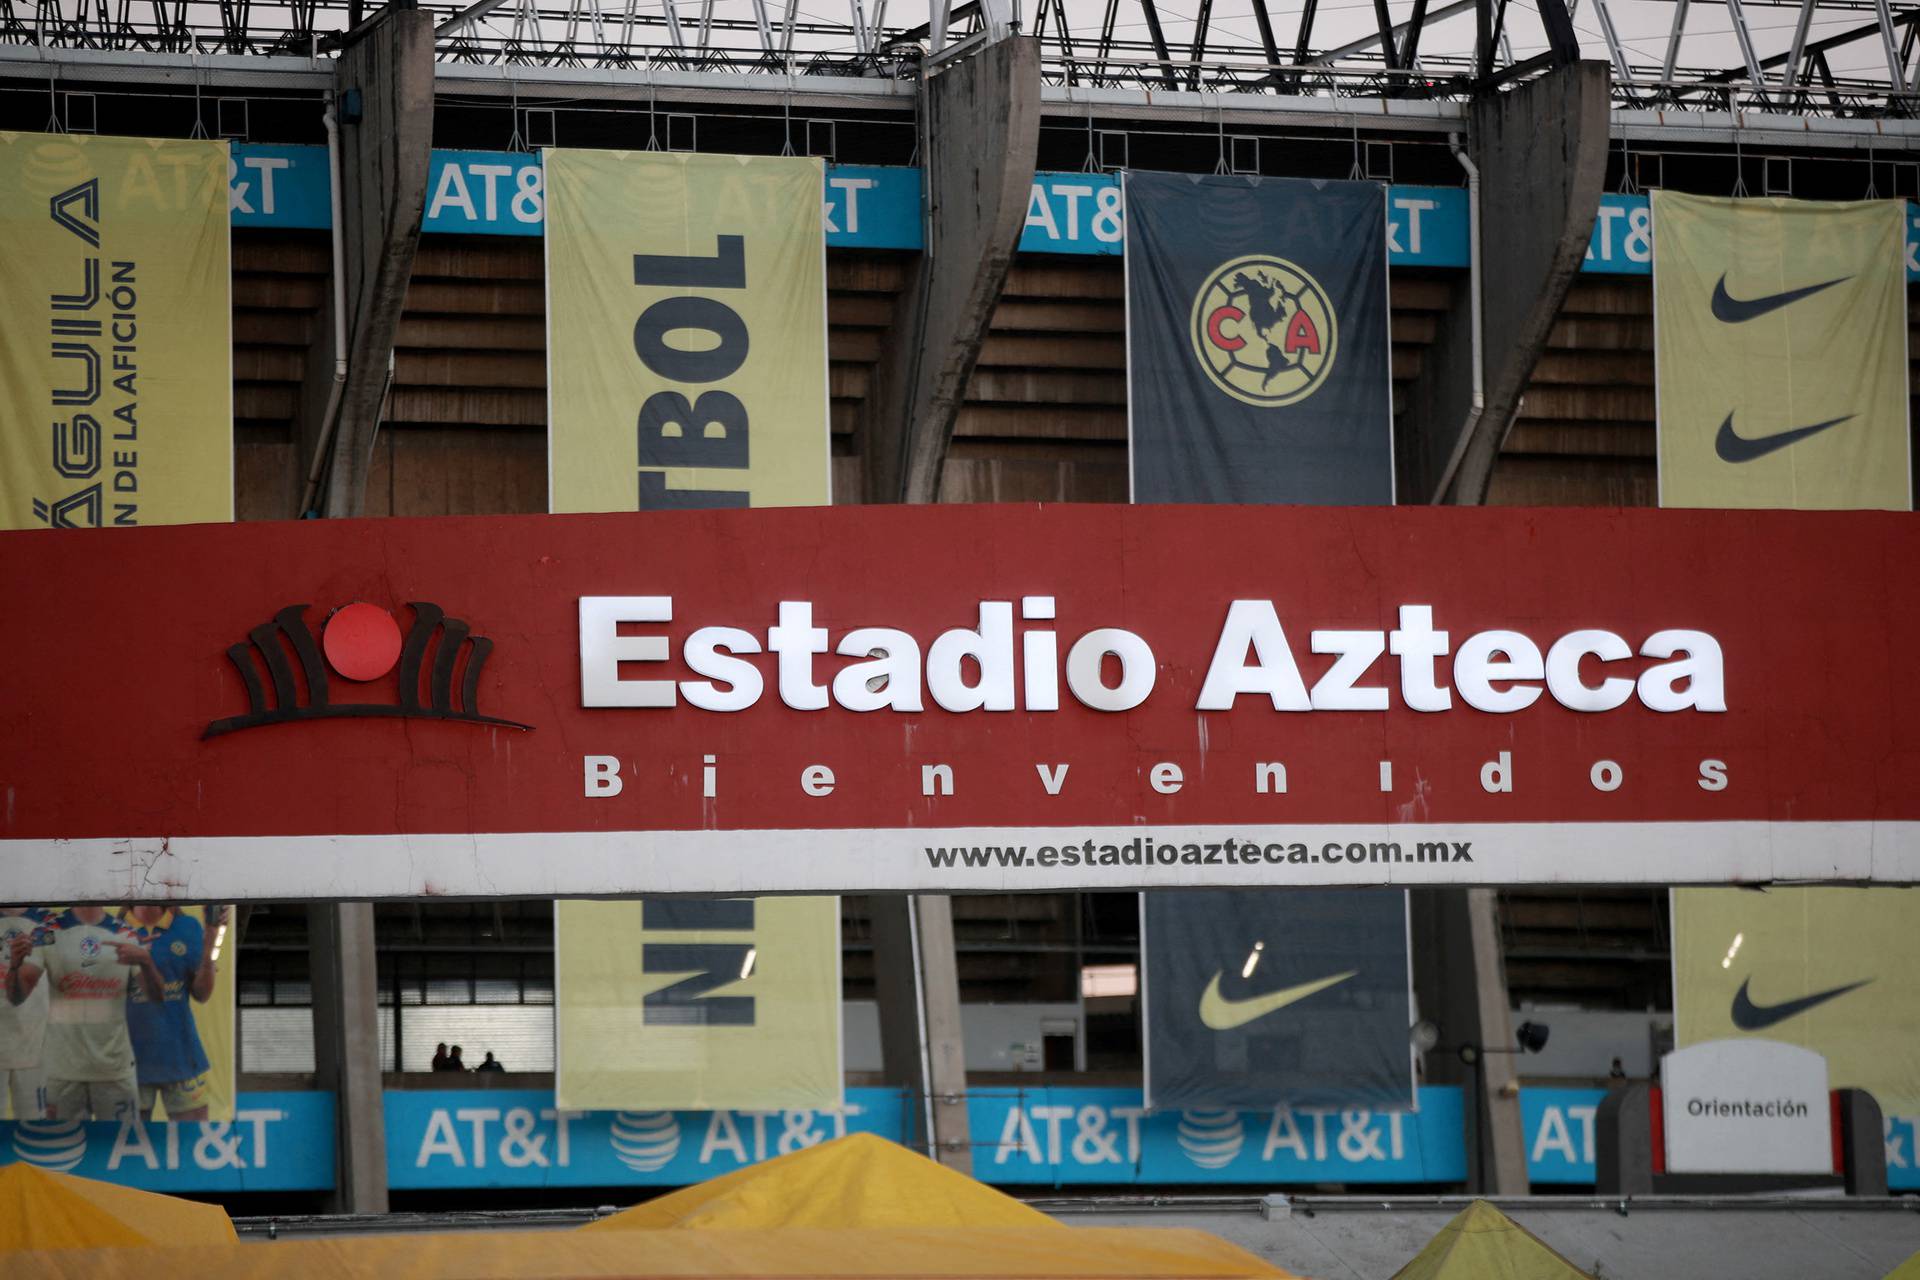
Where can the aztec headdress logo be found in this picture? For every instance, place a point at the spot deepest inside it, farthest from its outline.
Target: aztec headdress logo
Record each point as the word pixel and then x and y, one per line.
pixel 361 643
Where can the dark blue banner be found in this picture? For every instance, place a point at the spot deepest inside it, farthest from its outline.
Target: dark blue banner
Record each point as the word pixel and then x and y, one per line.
pixel 1296 998
pixel 1257 345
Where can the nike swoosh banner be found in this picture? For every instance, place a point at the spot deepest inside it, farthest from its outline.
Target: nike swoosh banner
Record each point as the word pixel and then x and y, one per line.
pixel 1781 352
pixel 1834 970
pixel 687 343
pixel 1257 347
pixel 1257 1000
pixel 1781 337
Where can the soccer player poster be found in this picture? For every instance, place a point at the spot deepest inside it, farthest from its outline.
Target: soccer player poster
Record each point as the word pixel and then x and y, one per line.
pixel 110 1013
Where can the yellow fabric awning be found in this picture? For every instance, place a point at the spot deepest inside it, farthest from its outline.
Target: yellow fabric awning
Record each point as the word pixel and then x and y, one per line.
pixel 857 1181
pixel 1482 1243
pixel 42 1210
pixel 949 1253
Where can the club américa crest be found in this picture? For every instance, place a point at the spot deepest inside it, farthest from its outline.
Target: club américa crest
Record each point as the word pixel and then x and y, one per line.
pixel 1264 330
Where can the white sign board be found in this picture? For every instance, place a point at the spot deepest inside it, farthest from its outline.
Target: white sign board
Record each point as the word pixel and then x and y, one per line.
pixel 1746 1106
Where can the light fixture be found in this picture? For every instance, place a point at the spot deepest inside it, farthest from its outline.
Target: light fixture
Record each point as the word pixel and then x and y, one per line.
pixel 1253 960
pixel 1424 1036
pixel 746 966
pixel 1109 980
pixel 1531 1035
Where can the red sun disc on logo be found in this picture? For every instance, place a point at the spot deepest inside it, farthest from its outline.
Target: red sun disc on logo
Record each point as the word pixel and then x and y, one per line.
pixel 362 641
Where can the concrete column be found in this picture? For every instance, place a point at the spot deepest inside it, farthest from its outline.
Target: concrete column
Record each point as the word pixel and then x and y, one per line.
pixel 917 987
pixel 1623 1142
pixel 980 135
pixel 946 1048
pixel 1460 981
pixel 1541 150
pixel 1863 1146
pixel 346 1049
pixel 383 94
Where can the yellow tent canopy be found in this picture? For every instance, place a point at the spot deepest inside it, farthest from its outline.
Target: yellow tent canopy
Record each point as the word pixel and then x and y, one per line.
pixel 949 1253
pixel 857 1181
pixel 1482 1243
pixel 42 1210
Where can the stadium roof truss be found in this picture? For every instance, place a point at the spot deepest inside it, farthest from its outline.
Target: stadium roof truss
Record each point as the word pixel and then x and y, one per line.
pixel 1812 59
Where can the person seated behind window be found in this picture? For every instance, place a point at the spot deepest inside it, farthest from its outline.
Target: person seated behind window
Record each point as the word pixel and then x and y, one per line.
pixel 489 1063
pixel 440 1057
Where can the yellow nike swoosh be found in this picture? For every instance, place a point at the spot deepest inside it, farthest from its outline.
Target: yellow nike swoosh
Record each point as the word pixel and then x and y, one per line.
pixel 1223 1014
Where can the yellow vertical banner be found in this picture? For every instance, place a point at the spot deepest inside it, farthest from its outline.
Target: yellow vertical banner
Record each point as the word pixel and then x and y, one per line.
pixel 1781 357
pixel 116 410
pixel 698 1004
pixel 1780 334
pixel 686 331
pixel 1835 970
pixel 116 372
pixel 687 368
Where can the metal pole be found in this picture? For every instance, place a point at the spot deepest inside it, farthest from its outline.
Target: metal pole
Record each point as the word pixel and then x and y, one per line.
pixel 1612 37
pixel 1894 77
pixel 1673 38
pixel 1747 55
pixel 1791 72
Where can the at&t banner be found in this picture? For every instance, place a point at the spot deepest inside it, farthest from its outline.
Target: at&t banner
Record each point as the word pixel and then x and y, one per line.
pixel 1258 999
pixel 1780 334
pixel 1257 347
pixel 115 359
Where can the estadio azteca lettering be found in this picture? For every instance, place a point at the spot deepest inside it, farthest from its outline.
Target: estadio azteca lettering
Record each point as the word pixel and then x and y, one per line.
pixel 1007 663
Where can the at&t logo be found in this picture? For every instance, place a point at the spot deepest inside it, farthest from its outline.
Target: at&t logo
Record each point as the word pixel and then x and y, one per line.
pixel 1211 1139
pixel 59 1145
pixel 1264 330
pixel 645 1141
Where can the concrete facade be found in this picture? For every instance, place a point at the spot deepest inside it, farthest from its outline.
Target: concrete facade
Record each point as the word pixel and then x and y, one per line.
pixel 1541 150
pixel 383 99
pixel 980 135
